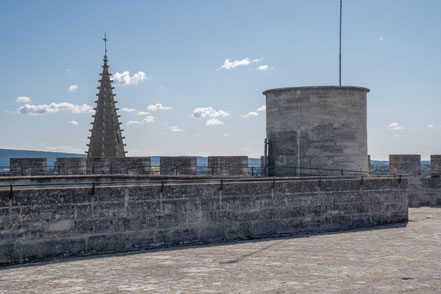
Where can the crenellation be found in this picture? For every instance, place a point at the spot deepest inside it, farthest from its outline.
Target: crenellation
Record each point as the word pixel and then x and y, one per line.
pixel 228 165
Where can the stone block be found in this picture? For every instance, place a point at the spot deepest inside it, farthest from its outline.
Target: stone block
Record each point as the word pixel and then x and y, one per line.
pixel 435 166
pixel 28 166
pixel 96 166
pixel 178 165
pixel 228 165
pixel 70 166
pixel 405 164
pixel 131 165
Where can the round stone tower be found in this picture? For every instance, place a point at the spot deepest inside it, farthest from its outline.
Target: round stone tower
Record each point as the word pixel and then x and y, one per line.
pixel 316 130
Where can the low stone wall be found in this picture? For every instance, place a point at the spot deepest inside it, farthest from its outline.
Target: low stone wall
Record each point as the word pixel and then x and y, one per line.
pixel 98 166
pixel 424 191
pixel 405 164
pixel 70 166
pixel 228 165
pixel 435 166
pixel 131 165
pixel 49 223
pixel 178 165
pixel 28 166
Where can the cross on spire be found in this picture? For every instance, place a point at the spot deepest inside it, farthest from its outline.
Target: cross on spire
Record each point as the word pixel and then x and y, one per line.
pixel 105 44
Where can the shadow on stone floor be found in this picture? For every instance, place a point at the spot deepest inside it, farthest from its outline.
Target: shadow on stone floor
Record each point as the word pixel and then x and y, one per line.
pixel 281 237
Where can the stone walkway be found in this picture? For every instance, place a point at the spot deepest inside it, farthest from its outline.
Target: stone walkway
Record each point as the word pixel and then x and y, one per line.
pixel 394 259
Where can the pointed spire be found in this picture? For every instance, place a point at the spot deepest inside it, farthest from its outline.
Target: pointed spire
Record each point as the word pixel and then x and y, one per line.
pixel 106 140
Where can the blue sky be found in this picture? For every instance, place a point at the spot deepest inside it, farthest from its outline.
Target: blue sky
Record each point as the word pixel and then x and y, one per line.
pixel 174 52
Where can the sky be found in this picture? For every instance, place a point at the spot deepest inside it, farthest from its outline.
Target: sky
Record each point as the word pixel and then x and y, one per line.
pixel 189 75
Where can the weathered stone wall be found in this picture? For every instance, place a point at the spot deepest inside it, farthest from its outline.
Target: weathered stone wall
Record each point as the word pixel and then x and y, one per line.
pixel 405 164
pixel 97 166
pixel 312 128
pixel 228 165
pixel 46 223
pixel 178 165
pixel 435 166
pixel 70 166
pixel 28 166
pixel 424 191
pixel 130 165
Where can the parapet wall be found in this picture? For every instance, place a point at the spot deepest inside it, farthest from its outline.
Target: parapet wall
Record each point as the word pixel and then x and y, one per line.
pixel 28 166
pixel 405 164
pixel 48 223
pixel 70 166
pixel 178 165
pixel 228 165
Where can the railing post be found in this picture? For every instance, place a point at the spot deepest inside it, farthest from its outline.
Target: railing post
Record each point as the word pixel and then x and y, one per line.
pixel 11 190
pixel 93 188
pixel 341 172
pixel 222 184
pixel 252 171
pixel 162 186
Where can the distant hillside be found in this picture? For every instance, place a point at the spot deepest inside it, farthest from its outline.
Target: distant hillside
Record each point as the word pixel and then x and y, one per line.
pixel 5 154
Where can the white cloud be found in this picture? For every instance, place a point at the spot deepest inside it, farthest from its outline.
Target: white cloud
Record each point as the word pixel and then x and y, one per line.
pixel 54 108
pixel 142 113
pixel 430 126
pixel 72 88
pixel 261 108
pixel 227 135
pixel 174 129
pixel 214 122
pixel 250 114
pixel 395 126
pixel 146 120
pixel 257 60
pixel 209 112
pixel 23 99
pixel 263 67
pixel 381 38
pixel 228 64
pixel 125 109
pixel 125 78
pixel 158 106
pixel 74 123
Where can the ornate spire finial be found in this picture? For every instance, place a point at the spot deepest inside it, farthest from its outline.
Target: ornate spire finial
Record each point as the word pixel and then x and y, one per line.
pixel 105 44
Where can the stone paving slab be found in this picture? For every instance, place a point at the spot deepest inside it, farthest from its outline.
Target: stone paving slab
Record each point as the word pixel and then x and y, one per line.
pixel 393 259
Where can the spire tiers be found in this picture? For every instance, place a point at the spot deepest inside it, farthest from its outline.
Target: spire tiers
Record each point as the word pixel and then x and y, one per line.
pixel 106 140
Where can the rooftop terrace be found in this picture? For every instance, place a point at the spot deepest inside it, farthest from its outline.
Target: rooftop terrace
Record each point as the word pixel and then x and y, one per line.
pixel 393 258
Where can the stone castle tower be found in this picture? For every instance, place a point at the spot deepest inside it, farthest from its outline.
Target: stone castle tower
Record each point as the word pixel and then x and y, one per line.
pixel 106 140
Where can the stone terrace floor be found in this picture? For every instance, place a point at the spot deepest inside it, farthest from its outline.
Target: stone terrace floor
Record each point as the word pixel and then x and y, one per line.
pixel 393 259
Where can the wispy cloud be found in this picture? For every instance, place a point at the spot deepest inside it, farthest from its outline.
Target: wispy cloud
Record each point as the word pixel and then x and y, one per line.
pixel 125 109
pixel 209 112
pixel 264 67
pixel 254 113
pixel 381 38
pixel 54 108
pixel 175 129
pixel 250 114
pixel 395 126
pixel 74 123
pixel 227 135
pixel 430 126
pixel 23 99
pixel 228 64
pixel 158 106
pixel 214 122
pixel 257 60
pixel 125 78
pixel 72 88
pixel 142 113
pixel 144 121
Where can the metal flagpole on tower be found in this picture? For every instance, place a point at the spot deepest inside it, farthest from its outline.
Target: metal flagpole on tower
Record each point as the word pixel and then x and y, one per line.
pixel 339 56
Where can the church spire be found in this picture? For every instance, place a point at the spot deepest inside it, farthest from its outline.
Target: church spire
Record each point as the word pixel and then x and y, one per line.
pixel 106 140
